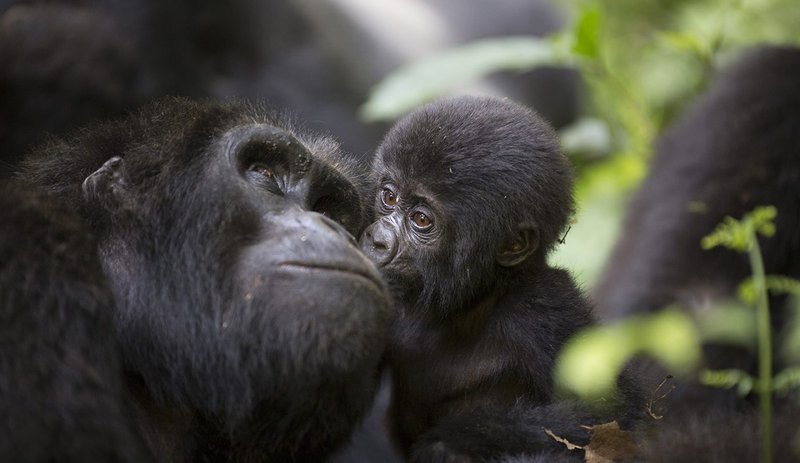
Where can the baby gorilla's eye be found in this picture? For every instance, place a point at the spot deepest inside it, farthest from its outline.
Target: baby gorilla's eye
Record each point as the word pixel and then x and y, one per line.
pixel 421 221
pixel 388 197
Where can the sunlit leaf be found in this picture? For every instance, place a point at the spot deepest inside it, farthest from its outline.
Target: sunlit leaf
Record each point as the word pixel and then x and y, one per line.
pixel 728 322
pixel 670 336
pixel 735 234
pixel 589 364
pixel 776 284
pixel 787 380
pixel 591 361
pixel 587 32
pixel 686 42
pixel 726 379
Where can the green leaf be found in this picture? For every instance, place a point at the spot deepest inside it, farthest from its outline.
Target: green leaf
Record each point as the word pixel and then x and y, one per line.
pixel 726 379
pixel 424 80
pixel 670 336
pixel 730 234
pixel 686 42
pixel 736 234
pixel 776 284
pixel 728 322
pixel 587 32
pixel 590 362
pixel 787 380
pixel 763 220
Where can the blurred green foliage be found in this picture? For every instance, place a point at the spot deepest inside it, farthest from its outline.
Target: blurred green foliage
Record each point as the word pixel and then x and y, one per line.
pixel 590 362
pixel 642 62
pixel 739 235
pixel 653 57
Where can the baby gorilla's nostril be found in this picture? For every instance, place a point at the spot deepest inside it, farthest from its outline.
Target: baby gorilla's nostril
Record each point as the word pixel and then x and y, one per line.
pixel 379 243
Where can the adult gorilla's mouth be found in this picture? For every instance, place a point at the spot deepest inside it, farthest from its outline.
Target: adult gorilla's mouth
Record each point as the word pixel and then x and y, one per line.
pixel 348 270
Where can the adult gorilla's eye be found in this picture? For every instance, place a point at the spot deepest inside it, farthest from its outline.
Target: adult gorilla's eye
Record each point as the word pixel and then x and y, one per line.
pixel 388 198
pixel 263 176
pixel 421 221
pixel 262 170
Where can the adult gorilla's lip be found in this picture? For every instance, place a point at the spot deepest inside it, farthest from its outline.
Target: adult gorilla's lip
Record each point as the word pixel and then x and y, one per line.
pixel 363 273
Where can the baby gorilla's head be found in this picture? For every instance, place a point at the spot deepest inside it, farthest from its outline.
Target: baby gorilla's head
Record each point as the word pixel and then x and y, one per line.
pixel 470 190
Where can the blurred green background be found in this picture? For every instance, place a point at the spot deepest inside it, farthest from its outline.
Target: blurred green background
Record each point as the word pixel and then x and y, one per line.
pixel 642 62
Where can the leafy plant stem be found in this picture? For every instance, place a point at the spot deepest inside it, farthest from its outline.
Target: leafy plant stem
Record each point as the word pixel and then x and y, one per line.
pixel 764 349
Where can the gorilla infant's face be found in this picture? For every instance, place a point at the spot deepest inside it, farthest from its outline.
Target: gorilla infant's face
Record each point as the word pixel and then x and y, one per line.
pixel 410 224
pixel 469 192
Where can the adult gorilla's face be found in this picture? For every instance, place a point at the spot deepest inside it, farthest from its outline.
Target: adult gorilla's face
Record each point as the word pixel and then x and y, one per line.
pixel 241 295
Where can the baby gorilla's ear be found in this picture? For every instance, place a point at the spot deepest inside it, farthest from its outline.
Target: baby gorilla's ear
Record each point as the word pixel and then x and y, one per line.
pixel 520 246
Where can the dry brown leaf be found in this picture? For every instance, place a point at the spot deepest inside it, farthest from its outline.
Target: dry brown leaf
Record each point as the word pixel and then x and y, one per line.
pixel 609 443
pixel 592 457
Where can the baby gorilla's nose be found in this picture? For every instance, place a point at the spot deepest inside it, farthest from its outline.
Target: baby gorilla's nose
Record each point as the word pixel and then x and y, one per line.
pixel 379 243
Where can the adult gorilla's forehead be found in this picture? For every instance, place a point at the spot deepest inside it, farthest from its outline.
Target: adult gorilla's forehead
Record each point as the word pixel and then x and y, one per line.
pixel 167 134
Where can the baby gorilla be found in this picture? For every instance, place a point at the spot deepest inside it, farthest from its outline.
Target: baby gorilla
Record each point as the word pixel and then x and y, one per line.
pixel 473 193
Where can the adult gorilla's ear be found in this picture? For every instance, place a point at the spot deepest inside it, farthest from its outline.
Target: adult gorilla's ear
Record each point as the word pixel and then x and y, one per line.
pixel 520 246
pixel 107 184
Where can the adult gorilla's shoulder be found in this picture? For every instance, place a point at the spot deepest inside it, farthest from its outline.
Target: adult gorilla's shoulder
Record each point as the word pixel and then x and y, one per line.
pixel 59 364
pixel 249 323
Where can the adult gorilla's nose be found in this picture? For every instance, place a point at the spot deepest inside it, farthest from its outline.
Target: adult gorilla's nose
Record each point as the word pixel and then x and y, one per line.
pixel 333 226
pixel 379 243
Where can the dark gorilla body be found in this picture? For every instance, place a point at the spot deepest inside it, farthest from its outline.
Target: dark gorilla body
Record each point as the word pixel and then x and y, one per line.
pixel 70 62
pixel 473 193
pixel 60 372
pixel 249 327
pixel 738 147
pixel 64 66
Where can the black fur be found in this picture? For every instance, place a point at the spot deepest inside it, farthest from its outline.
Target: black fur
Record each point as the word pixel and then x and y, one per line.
pixel 63 67
pixel 67 62
pixel 475 338
pixel 61 391
pixel 250 328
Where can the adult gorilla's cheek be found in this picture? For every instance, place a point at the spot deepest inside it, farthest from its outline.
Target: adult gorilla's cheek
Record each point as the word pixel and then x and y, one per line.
pixel 311 293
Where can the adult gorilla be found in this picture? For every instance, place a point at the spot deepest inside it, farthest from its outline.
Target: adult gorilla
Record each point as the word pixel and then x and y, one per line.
pixel 249 326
